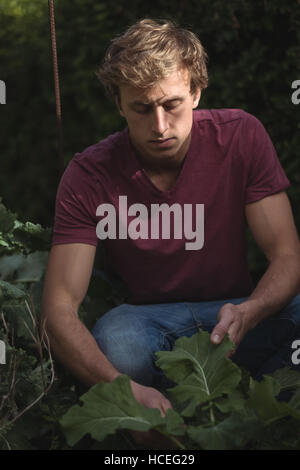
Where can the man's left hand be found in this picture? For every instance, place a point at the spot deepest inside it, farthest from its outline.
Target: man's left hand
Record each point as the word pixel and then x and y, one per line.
pixel 232 321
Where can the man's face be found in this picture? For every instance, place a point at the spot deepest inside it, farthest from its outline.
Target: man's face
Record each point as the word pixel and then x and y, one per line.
pixel 160 118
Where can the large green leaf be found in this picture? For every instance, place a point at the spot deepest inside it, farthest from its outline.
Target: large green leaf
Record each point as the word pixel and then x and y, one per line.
pixel 295 401
pixel 262 398
pixel 235 401
pixel 233 432
pixel 172 424
pixel 287 378
pixel 200 368
pixel 106 408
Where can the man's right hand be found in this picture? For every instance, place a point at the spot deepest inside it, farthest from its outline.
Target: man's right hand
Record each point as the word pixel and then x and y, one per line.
pixel 150 397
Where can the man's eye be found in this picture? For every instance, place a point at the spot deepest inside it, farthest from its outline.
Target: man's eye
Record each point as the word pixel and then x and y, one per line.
pixel 170 106
pixel 143 110
pixel 148 109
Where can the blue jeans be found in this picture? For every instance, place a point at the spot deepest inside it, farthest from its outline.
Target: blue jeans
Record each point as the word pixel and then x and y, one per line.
pixel 129 336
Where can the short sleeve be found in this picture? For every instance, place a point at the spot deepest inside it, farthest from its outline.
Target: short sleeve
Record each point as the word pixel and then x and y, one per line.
pixel 265 173
pixel 75 210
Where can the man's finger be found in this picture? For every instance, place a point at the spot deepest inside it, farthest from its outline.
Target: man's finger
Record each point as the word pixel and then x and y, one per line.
pixel 165 406
pixel 234 331
pixel 220 330
pixel 226 318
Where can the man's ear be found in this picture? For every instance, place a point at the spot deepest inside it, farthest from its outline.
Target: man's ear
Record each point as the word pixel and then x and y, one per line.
pixel 118 104
pixel 196 98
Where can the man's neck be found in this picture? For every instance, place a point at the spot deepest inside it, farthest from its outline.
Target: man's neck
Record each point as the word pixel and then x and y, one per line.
pixel 163 180
pixel 164 166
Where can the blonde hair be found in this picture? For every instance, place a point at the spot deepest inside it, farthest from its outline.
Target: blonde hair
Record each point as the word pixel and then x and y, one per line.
pixel 150 51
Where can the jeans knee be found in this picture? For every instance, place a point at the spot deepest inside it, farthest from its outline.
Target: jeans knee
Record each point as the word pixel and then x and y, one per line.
pixel 128 344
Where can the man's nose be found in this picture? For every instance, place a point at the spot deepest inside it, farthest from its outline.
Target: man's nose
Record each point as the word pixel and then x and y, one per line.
pixel 159 121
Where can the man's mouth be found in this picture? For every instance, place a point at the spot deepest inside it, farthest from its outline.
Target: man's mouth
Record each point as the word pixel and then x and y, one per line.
pixel 163 142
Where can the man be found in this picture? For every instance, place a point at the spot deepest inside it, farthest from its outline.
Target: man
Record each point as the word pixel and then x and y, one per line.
pixel 169 198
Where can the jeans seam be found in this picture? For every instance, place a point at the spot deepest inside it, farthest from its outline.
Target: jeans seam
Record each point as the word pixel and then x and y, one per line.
pixel 175 332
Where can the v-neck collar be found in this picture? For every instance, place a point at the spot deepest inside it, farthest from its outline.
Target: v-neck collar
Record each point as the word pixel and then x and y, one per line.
pixel 136 170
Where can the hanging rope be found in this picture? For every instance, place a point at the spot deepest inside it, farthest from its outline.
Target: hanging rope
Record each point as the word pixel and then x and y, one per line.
pixel 56 82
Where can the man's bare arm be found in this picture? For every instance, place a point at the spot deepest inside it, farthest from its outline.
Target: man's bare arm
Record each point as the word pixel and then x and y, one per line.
pixel 272 224
pixel 67 278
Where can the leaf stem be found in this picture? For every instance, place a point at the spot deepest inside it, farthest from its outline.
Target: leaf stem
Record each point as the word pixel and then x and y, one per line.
pixel 211 414
pixel 173 439
pixel 5 440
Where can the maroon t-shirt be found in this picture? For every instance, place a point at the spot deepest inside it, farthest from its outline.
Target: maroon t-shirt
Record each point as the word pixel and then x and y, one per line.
pixel 231 162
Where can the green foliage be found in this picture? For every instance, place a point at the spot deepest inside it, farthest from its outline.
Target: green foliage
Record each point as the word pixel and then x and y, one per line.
pixel 200 370
pixel 26 374
pixel 34 393
pixel 108 407
pixel 28 414
pixel 212 409
pixel 18 237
